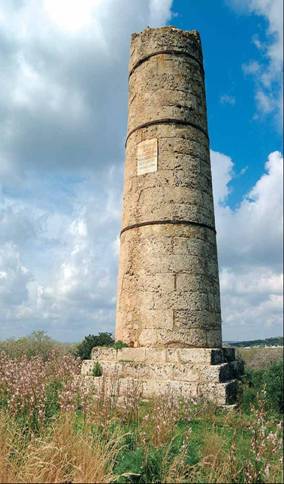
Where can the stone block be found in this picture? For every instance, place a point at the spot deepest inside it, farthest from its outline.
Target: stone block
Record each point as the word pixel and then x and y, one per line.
pixel 172 355
pixel 156 318
pixel 168 389
pixel 149 337
pixel 101 353
pixel 156 355
pixel 229 354
pixel 237 368
pixel 131 354
pixel 194 355
pixel 143 371
pixel 217 356
pixel 195 318
pixel 218 373
pixel 214 338
pixel 220 393
pixel 184 389
pixel 87 366
pixel 193 282
pixel 186 372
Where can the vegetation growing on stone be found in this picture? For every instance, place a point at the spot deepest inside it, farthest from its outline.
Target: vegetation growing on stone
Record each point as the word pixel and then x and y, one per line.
pixel 120 344
pixel 97 370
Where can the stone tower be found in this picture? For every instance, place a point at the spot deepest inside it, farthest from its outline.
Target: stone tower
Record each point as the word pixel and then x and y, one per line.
pixel 168 290
pixel 168 302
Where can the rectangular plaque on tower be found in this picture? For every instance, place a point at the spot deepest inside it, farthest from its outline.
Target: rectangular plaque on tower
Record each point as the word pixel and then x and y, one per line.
pixel 147 156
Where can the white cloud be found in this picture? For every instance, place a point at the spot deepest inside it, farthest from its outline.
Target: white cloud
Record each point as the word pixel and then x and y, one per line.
pixel 267 72
pixel 222 173
pixel 71 15
pixel 252 233
pixel 62 65
pixel 64 279
pixel 62 123
pixel 226 99
pixel 251 67
pixel 14 277
pixel 250 250
pixel 252 303
pixel 160 12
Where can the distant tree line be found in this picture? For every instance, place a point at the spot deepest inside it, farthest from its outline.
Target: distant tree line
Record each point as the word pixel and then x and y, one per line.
pixel 38 343
pixel 278 341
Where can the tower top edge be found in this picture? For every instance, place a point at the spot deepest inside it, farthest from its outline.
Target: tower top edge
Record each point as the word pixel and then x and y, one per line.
pixel 153 41
pixel 169 29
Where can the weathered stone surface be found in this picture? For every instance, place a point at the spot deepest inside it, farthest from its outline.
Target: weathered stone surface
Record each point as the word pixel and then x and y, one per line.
pixel 203 356
pixel 156 355
pixel 108 354
pixel 131 354
pixel 168 302
pixel 181 290
pixel 193 373
pixel 222 394
pixel 168 289
pixel 164 77
pixel 87 366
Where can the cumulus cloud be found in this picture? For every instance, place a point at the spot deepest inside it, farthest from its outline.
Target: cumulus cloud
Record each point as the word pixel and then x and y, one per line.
pixel 252 233
pixel 65 259
pixel 64 75
pixel 63 113
pixel 222 173
pixel 250 250
pixel 67 283
pixel 63 102
pixel 268 71
pixel 13 276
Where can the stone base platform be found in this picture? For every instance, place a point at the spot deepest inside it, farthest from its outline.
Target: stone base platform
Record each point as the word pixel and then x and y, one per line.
pixel 191 373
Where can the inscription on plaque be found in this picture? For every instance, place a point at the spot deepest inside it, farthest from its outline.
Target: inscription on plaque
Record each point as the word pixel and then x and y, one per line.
pixel 147 156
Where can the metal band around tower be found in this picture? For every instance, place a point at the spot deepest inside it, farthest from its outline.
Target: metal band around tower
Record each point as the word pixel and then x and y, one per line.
pixel 166 121
pixel 168 222
pixel 169 52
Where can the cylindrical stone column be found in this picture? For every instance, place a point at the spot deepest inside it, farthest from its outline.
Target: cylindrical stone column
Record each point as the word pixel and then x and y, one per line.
pixel 168 288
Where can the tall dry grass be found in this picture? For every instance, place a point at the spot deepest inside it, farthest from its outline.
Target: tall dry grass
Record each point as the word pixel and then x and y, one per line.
pixel 83 436
pixel 68 456
pixel 59 455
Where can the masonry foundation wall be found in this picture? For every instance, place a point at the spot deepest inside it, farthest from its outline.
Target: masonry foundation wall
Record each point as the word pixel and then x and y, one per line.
pixel 188 373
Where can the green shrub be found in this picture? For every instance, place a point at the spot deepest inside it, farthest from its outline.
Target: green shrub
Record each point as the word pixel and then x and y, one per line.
pixel 266 384
pixel 89 342
pixel 273 382
pixel 97 369
pixel 119 344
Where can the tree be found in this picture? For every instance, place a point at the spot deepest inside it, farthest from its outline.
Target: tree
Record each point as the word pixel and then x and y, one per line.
pixel 85 347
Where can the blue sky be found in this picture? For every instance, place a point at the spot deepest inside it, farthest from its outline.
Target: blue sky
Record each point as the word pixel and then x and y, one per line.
pixel 63 119
pixel 228 38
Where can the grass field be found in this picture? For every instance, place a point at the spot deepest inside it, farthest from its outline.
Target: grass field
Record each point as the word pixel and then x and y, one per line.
pixel 260 358
pixel 54 429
